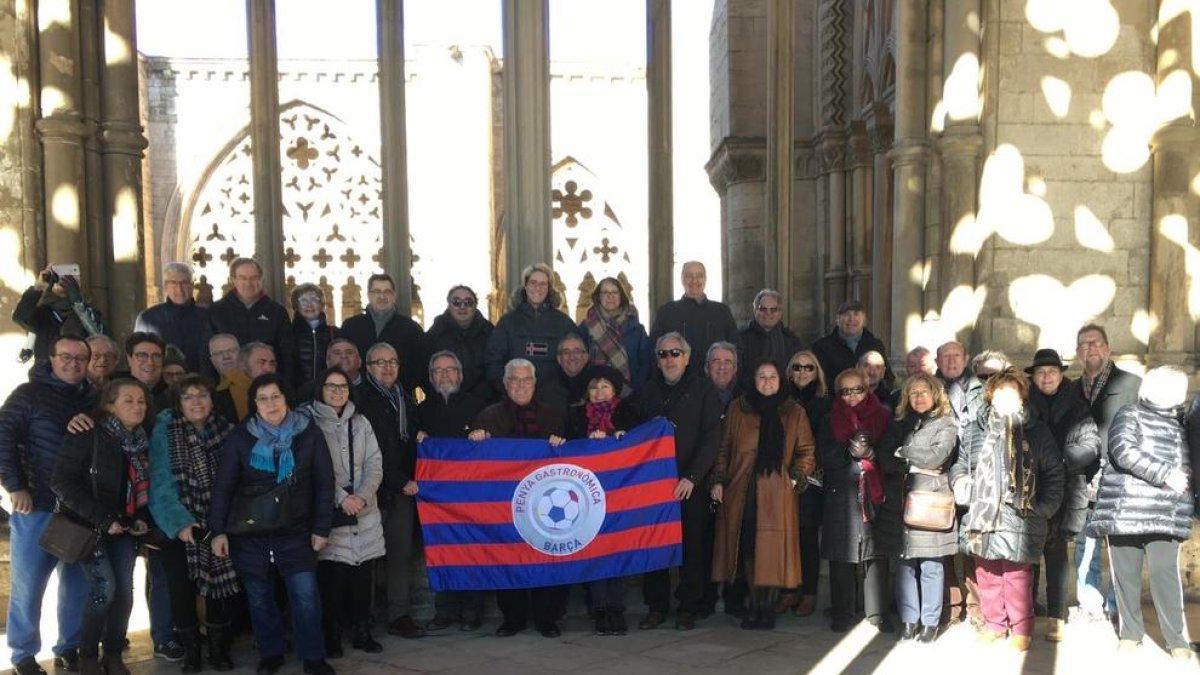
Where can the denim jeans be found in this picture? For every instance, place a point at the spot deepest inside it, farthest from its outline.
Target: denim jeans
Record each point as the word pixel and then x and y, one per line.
pixel 30 568
pixel 1089 590
pixel 304 600
pixel 110 595
pixel 158 599
pixel 920 583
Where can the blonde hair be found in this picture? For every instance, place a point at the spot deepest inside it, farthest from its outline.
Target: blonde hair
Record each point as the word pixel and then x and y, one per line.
pixel 822 388
pixel 941 402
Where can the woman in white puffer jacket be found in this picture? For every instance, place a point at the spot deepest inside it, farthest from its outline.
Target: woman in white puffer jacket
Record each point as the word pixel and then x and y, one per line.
pixel 357 535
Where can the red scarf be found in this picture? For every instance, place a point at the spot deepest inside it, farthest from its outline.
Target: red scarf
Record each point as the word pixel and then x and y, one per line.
pixel 871 416
pixel 599 415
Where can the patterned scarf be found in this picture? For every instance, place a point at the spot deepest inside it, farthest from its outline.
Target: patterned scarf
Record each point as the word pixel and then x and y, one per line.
pixel 135 447
pixel 605 330
pixel 768 457
pixel 525 422
pixel 194 454
pixel 1096 385
pixel 599 415
pixel 395 397
pixel 275 443
pixel 1005 473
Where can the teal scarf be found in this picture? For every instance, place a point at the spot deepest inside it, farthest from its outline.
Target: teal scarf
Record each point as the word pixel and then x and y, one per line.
pixel 275 442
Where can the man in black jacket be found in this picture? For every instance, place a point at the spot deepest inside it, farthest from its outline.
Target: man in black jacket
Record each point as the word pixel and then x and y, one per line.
pixel 249 315
pixel 463 330
pixel 387 406
pixel 178 320
pixel 765 336
pixel 699 320
pixel 848 341
pixel 384 322
pixel 1107 389
pixel 689 401
pixel 32 423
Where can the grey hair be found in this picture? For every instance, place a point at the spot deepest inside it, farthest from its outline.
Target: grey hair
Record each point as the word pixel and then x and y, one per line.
pixel 381 345
pixel 519 363
pixel 729 346
pixel 176 267
pixel 106 340
pixel 446 353
pixel 245 350
pixel 766 293
pixel 990 355
pixel 673 335
pixel 865 355
pixel 917 351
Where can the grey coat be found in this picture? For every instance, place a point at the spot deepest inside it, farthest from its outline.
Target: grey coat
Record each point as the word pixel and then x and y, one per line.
pixel 929 444
pixel 1144 444
pixel 352 544
pixel 1017 538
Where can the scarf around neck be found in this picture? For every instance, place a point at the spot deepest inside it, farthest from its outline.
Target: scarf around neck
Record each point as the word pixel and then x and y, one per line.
pixel 381 319
pixel 599 415
pixel 395 398
pixel 768 458
pixel 606 330
pixel 135 447
pixel 525 418
pixel 871 416
pixel 273 451
pixel 1005 472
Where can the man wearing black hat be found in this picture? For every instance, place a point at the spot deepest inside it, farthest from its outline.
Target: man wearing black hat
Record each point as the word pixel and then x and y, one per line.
pixel 1054 401
pixel 848 341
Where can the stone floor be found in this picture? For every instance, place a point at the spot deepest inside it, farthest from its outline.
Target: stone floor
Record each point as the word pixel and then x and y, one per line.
pixel 719 646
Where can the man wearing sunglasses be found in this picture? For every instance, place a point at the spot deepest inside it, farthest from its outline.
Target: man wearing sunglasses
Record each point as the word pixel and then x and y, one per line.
pixel 699 320
pixel 766 337
pixel 689 401
pixel 384 322
pixel 463 330
pixel 848 341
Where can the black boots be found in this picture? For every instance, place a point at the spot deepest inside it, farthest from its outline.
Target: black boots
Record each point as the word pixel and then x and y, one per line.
pixel 333 640
pixel 190 639
pixel 220 637
pixel 363 640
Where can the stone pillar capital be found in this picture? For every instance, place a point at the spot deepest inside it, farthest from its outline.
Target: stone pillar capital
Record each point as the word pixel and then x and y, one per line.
pixel 122 138
pixel 737 160
pixel 62 126
pixel 882 136
pixel 861 150
pixel 909 152
pixel 831 150
pixel 961 140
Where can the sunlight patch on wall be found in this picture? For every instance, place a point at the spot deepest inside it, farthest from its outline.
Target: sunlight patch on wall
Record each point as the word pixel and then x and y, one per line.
pixel 1170 10
pixel 1175 229
pixel 968 236
pixel 1004 206
pixel 1057 310
pixel 124 226
pixel 1136 109
pixel 1143 326
pixel 960 311
pixel 1089 27
pixel 1196 184
pixel 961 91
pixel 116 48
pixel 10 94
pixel 1058 96
pixel 1090 232
pixel 64 204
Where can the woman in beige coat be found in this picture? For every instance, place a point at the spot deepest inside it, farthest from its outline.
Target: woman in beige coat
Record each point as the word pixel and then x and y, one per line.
pixel 343 572
pixel 765 458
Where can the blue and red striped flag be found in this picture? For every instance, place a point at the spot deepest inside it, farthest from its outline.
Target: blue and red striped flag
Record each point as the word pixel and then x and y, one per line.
pixel 515 513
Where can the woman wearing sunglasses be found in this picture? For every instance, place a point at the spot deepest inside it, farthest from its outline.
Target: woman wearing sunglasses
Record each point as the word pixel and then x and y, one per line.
pixel 855 447
pixel 806 382
pixel 462 329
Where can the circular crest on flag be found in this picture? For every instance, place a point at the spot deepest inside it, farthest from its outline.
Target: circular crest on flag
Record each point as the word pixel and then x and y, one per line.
pixel 558 509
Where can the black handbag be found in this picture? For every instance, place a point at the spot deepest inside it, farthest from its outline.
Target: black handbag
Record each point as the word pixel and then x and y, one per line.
pixel 259 510
pixel 340 518
pixel 68 538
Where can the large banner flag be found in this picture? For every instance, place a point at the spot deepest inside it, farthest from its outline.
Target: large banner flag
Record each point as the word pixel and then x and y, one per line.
pixel 517 513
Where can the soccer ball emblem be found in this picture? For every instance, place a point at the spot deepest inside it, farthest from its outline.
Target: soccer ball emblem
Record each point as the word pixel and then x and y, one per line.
pixel 558 509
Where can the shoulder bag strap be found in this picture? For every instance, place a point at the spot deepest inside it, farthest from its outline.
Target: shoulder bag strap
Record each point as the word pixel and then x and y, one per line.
pixel 350 447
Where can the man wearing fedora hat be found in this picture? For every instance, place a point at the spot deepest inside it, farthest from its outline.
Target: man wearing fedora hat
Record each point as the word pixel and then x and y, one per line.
pixel 1060 406
pixel 848 341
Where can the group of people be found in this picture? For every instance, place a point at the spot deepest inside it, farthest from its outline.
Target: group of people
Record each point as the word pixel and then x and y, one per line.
pixel 250 452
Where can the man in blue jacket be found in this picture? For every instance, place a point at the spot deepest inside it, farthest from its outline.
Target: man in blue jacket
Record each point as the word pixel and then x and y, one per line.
pixel 178 320
pixel 33 422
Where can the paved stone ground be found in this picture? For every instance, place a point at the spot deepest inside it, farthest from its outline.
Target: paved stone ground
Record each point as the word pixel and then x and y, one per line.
pixel 719 646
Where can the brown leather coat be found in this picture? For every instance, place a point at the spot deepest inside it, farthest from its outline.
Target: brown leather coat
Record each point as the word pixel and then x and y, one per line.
pixel 777 536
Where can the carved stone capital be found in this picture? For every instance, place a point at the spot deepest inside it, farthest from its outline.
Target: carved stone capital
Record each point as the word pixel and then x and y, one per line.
pixel 123 138
pixel 831 150
pixel 737 160
pixel 861 152
pixel 62 126
pixel 882 135
pixel 909 152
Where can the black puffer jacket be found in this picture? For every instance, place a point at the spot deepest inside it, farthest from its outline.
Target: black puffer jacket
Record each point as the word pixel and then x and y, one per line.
pixel 33 422
pixel 469 345
pixel 1070 421
pixel 1017 538
pixel 1145 443
pixel 186 326
pixel 401 332
pixel 527 332
pixel 311 344
pixel 929 444
pixel 94 492
pixel 265 321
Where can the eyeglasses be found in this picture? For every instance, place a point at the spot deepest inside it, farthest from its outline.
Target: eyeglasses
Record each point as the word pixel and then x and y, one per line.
pixel 73 358
pixel 920 393
pixel 308 300
pixel 572 352
pixel 226 353
pixel 769 310
pixel 192 398
pixel 390 363
pixel 448 370
pixel 806 367
pixel 852 391
pixel 462 302
pixel 268 398
pixel 673 353
pixel 521 381
pixel 333 386
pixel 104 356
pixel 1088 344
pixel 142 357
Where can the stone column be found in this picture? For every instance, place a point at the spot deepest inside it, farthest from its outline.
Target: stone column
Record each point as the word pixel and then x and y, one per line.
pixel 833 164
pixel 961 145
pixel 862 186
pixel 264 139
pixel 397 247
pixel 777 239
pixel 1176 211
pixel 526 223
pixel 909 156
pixel 661 257
pixel 881 233
pixel 96 234
pixel 61 131
pixel 122 144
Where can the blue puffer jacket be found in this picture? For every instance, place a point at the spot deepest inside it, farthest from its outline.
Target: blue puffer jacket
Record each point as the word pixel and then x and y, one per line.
pixel 1144 444
pixel 33 422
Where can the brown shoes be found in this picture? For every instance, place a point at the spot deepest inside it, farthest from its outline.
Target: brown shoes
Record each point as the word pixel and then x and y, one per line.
pixel 987 636
pixel 805 606
pixel 652 620
pixel 684 620
pixel 406 628
pixel 786 601
pixel 1019 643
